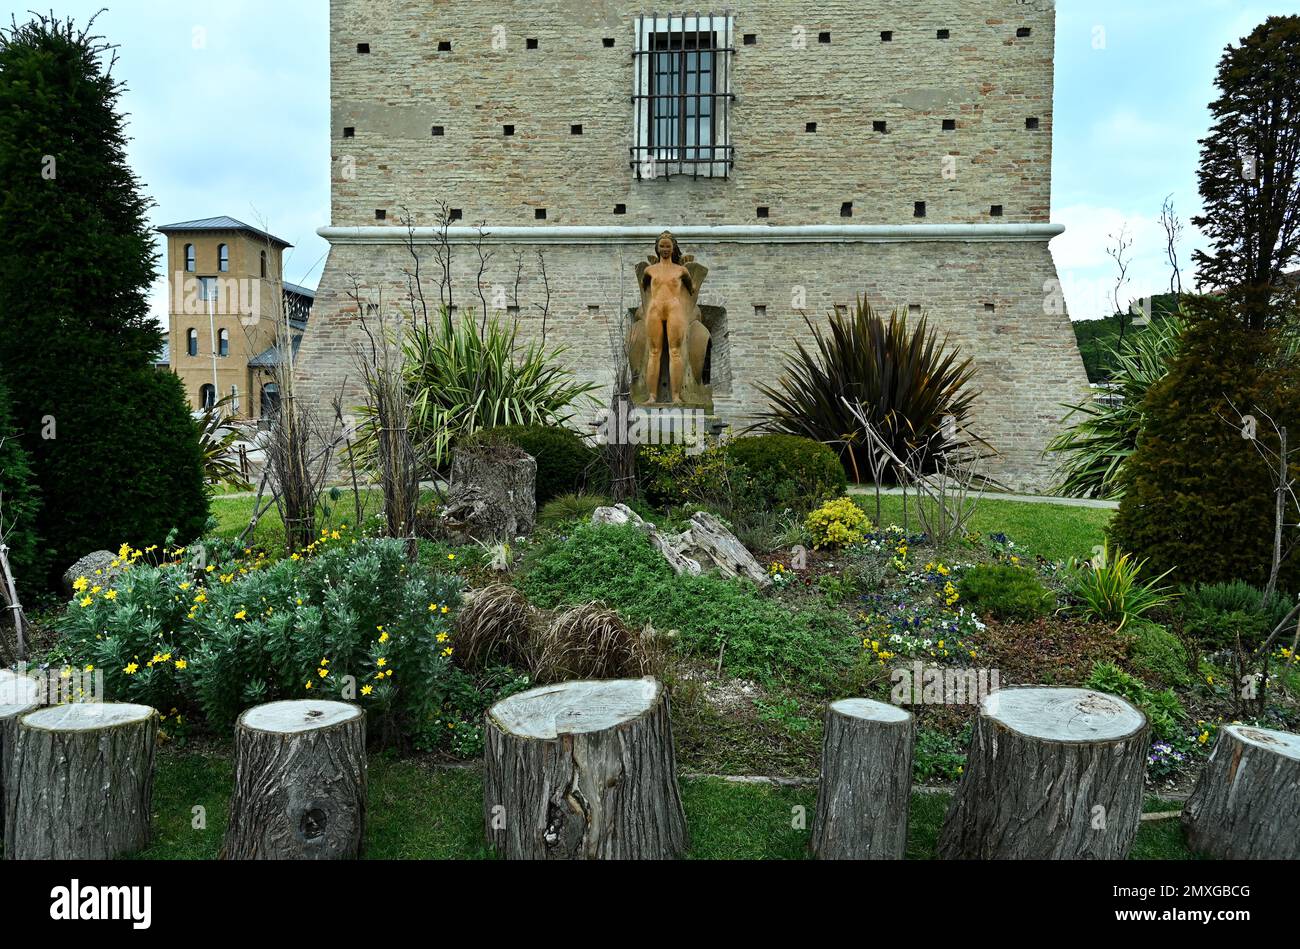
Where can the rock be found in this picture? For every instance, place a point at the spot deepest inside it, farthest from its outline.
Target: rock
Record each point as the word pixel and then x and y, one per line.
pixel 492 497
pixel 86 567
pixel 706 545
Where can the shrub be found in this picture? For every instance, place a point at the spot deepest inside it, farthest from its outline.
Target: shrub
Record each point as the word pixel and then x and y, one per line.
pixel 1162 709
pixel 570 507
pixel 495 627
pixel 1006 592
pixel 939 757
pixel 241 633
pixel 19 505
pixel 837 523
pixel 672 476
pixel 589 642
pixel 1110 588
pixel 1158 653
pixel 756 636
pixel 787 471
pixel 905 379
pixel 1198 498
pixel 564 460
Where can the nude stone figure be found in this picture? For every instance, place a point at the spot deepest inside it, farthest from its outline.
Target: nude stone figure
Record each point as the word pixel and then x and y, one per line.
pixel 669 318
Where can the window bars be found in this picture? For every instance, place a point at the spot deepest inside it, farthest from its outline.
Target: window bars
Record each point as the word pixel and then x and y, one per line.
pixel 682 96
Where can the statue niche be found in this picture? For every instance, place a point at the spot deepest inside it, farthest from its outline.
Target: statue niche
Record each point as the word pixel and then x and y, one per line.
pixel 668 347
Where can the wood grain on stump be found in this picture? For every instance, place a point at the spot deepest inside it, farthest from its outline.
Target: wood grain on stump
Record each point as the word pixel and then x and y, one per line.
pixel 1052 774
pixel 1246 804
pixel 19 694
pixel 300 783
pixel 583 771
pixel 81 782
pixel 866 782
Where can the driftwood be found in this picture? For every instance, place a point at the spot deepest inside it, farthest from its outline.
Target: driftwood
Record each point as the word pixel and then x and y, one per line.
pixel 82 782
pixel 300 783
pixel 1246 804
pixel 583 771
pixel 1052 774
pixel 19 694
pixel 706 544
pixel 866 782
pixel 492 496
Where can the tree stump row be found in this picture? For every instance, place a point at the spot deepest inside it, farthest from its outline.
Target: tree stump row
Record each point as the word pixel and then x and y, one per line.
pixel 19 694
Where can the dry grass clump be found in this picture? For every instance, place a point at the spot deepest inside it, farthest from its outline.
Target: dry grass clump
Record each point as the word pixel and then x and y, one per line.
pixel 497 626
pixel 589 642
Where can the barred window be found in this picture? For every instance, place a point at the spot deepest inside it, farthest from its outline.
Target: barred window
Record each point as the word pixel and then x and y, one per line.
pixel 682 96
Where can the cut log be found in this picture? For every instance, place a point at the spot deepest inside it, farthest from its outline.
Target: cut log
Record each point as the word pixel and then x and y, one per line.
pixel 82 782
pixel 866 782
pixel 492 496
pixel 300 783
pixel 622 514
pixel 583 771
pixel 1052 774
pixel 706 545
pixel 1246 804
pixel 19 694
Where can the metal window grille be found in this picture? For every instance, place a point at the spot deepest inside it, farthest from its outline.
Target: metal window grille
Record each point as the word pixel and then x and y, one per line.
pixel 682 98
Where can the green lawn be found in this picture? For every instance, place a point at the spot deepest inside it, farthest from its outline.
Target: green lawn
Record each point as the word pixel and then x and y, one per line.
pixel 420 812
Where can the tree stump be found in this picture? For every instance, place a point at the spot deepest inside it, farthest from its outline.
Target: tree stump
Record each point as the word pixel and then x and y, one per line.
pixel 300 783
pixel 866 782
pixel 492 496
pixel 19 694
pixel 1246 804
pixel 583 771
pixel 1052 774
pixel 82 782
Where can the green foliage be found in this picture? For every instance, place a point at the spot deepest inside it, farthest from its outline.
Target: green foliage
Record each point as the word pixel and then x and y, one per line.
pixel 1100 340
pixel 906 381
pixel 1162 709
pixel 673 475
pixel 1198 497
pixel 463 376
pixel 216 442
pixel 564 460
pixel 756 636
pixel 787 471
pixel 1006 592
pixel 1160 654
pixel 1216 615
pixel 19 504
pixel 938 757
pixel 1110 587
pixel 837 523
pixel 570 507
pixel 1104 434
pixel 179 636
pixel 114 451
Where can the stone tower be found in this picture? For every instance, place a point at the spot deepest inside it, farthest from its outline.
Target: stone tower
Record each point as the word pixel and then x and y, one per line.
pixel 807 151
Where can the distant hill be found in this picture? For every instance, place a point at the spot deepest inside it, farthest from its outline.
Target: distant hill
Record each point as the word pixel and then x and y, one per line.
pixel 1098 338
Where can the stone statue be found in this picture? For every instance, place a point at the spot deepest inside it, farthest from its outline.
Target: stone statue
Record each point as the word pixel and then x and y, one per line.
pixel 669 318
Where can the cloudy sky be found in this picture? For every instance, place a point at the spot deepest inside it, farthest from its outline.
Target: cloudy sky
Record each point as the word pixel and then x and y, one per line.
pixel 230 115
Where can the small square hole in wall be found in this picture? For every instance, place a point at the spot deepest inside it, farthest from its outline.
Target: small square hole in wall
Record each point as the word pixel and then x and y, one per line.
pixel 363 48
pixel 995 211
pixel 1031 124
pixel 444 46
pixel 810 127
pixel 950 125
pixel 349 132
pixel 512 310
pixel 539 214
pixel 760 310
pixel 918 209
pixel 751 39
pixel 507 130
pixel 530 43
pixel 620 209
pixel 943 34
pixel 914 309
pixel 456 214
pixel 886 36
pixel 439 131
pixel 842 309
pixel 763 212
pixel 990 308
pixel 1023 32
pixel 879 126
pixel 823 37
pixel 846 209
pixel 575 129
pixel 609 42
pixel 593 309
pixel 381 214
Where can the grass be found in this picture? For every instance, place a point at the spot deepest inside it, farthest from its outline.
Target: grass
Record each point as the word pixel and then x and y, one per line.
pixel 422 812
pixel 1054 531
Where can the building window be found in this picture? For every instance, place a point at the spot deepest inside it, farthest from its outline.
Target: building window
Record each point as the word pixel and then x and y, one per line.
pixel 223 258
pixel 223 343
pixel 682 96
pixel 192 342
pixel 208 396
pixel 270 400
pixel 263 265
pixel 189 258
pixel 208 289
